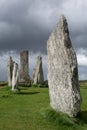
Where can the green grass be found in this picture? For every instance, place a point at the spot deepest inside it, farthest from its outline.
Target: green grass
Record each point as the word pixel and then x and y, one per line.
pixel 29 109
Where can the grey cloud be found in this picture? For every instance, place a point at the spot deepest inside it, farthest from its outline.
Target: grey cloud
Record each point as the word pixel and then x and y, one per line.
pixel 82 72
pixel 27 24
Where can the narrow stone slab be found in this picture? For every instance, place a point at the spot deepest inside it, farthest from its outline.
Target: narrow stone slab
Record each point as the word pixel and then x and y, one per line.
pixel 24 66
pixel 63 71
pixel 15 77
pixel 38 72
pixel 10 71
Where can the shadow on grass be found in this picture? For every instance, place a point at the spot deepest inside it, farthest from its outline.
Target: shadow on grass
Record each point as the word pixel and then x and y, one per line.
pixel 5 95
pixel 82 116
pixel 28 93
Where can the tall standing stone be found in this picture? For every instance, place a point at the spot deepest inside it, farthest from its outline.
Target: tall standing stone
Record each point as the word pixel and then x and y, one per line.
pixel 34 71
pixel 15 77
pixel 10 71
pixel 24 66
pixel 63 71
pixel 38 72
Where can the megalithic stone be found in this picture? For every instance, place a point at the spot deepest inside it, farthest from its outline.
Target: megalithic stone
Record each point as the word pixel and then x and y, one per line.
pixel 15 77
pixel 10 71
pixel 63 71
pixel 38 74
pixel 34 70
pixel 24 66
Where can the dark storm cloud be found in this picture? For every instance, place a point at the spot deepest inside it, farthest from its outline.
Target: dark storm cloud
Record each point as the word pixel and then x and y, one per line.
pixel 26 24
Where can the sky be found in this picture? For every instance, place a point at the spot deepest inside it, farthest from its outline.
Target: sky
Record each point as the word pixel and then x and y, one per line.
pixel 27 24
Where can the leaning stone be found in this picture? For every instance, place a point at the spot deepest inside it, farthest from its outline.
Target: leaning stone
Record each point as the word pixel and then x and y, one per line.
pixel 38 72
pixel 63 71
pixel 15 77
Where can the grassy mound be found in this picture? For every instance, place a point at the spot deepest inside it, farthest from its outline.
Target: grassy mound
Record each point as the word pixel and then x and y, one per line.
pixel 63 121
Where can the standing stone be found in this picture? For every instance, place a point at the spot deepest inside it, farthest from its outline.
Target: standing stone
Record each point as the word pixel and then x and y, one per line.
pixel 63 71
pixel 9 71
pixel 34 71
pixel 24 66
pixel 38 73
pixel 15 77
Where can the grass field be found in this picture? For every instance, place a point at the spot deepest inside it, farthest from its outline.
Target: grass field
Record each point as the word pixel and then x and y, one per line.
pixel 30 110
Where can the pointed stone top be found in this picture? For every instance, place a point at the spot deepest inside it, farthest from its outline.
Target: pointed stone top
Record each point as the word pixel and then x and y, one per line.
pixel 10 58
pixel 62 17
pixel 62 24
pixel 39 57
pixel 61 33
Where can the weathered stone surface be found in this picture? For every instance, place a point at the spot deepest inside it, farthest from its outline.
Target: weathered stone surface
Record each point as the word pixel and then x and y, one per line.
pixel 24 66
pixel 63 71
pixel 38 72
pixel 15 76
pixel 34 70
pixel 10 71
